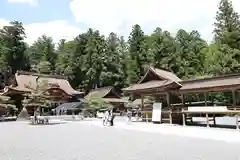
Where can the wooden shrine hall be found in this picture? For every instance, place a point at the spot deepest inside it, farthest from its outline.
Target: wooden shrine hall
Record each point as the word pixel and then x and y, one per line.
pixel 24 84
pixel 184 99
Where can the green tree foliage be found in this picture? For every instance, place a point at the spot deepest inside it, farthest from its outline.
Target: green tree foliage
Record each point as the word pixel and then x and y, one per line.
pixel 97 103
pixel 226 55
pixel 137 54
pixel 227 25
pixel 12 37
pixel 189 53
pixel 123 54
pixel 219 61
pixel 112 72
pixel 163 49
pixel 43 50
pixel 92 60
pixel 3 53
pixel 44 67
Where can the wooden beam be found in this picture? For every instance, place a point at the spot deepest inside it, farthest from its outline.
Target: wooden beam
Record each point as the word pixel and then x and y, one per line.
pixel 153 94
pixel 211 89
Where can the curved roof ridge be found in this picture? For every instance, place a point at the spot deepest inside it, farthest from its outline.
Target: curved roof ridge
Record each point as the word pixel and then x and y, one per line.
pixel 165 74
pixel 100 92
pixel 162 74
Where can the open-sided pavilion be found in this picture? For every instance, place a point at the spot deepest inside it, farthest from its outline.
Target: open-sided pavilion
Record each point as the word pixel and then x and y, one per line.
pixel 173 92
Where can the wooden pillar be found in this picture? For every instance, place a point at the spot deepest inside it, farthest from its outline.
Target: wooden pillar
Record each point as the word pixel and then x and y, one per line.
pixel 211 95
pixel 142 102
pixel 142 107
pixel 234 99
pixel 207 120
pixel 205 98
pixel 183 118
pixel 147 117
pixel 183 105
pixel 183 100
pixel 169 107
pixel 168 100
pixel 237 124
pixel 170 116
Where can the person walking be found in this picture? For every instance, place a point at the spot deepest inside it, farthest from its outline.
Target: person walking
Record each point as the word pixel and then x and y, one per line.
pixel 105 118
pixel 129 116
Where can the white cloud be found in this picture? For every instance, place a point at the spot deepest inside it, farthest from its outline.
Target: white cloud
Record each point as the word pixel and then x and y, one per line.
pixel 32 2
pixel 58 29
pixel 3 22
pixel 120 15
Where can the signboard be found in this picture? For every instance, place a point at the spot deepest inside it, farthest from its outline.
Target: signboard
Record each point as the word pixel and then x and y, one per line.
pixel 157 112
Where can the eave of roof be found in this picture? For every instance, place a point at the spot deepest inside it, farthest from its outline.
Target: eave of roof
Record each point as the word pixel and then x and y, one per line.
pixel 40 75
pixel 101 92
pixel 152 85
pixel 115 100
pixel 220 83
pixel 162 74
pixel 139 101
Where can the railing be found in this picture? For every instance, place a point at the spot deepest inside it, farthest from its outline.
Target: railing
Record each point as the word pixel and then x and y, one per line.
pixel 210 111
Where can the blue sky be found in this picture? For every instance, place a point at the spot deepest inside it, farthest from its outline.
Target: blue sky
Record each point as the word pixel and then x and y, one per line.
pixel 67 18
pixel 45 10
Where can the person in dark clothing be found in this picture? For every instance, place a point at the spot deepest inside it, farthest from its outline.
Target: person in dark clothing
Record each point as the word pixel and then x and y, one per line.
pixel 111 118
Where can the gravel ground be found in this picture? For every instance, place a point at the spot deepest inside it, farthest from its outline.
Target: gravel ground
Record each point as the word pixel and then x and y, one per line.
pixel 81 141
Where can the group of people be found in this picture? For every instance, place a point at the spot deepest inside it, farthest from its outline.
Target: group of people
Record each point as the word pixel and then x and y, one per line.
pixel 108 118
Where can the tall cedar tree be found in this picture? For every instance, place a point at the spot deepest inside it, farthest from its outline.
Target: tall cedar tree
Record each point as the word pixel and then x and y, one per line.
pixel 227 25
pixel 12 36
pixel 136 53
pixel 227 38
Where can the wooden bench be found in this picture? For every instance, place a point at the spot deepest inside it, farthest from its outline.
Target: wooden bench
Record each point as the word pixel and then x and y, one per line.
pixel 40 120
pixel 207 111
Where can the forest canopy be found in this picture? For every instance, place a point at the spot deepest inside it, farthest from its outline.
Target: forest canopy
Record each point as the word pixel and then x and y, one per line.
pixel 93 60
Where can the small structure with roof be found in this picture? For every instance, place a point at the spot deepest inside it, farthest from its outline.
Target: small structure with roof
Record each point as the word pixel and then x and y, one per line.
pixel 154 80
pixel 109 95
pixel 157 83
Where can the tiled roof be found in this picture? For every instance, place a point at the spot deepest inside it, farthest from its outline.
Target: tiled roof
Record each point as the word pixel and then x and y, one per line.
pixel 104 91
pixel 162 74
pixel 99 92
pixel 151 85
pixel 223 81
pixel 27 81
